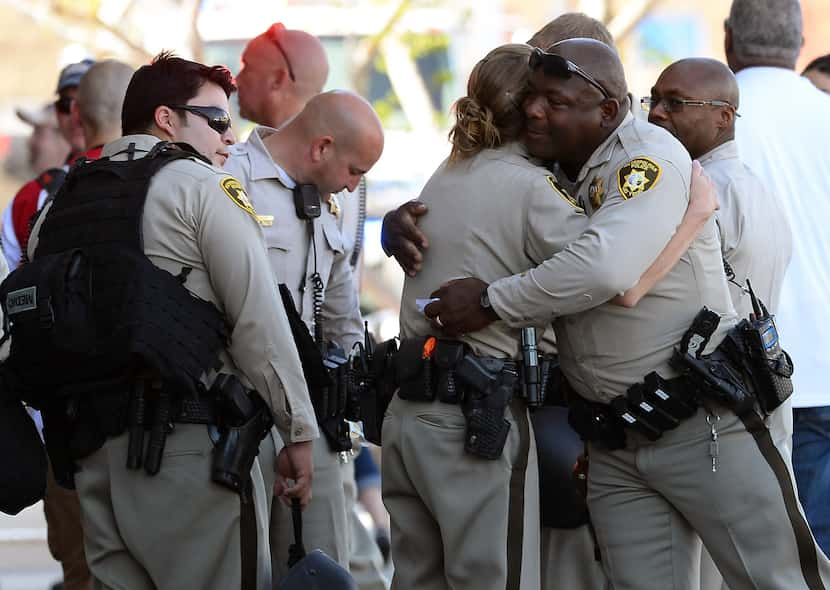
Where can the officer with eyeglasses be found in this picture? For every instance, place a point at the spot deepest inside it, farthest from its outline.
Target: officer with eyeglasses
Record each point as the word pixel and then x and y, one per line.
pixel 709 473
pixel 172 495
pixel 696 100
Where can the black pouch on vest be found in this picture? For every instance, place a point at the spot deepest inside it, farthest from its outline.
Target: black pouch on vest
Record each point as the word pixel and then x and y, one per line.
pixel 414 371
pixel 47 307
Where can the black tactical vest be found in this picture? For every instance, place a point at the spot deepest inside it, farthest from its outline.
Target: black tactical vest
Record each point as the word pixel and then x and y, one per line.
pixel 91 310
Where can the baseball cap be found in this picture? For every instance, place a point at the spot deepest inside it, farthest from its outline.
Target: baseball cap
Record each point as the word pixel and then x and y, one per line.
pixel 35 117
pixel 71 75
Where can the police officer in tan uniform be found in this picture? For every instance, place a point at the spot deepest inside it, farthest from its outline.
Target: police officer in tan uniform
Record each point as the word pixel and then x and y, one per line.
pixel 649 498
pixel 178 529
pixel 331 144
pixel 282 69
pixel 459 520
pixel 696 100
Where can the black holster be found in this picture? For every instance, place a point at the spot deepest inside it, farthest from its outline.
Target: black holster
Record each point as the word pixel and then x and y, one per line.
pixel 488 390
pixel 245 420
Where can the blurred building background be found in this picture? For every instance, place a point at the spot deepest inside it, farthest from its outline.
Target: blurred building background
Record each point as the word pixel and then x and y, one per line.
pixel 411 58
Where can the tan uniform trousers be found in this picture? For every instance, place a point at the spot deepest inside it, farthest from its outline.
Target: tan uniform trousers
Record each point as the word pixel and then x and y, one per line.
pixel 648 501
pixel 459 522
pixel 325 520
pixel 64 534
pixel 780 424
pixel 568 561
pixel 174 530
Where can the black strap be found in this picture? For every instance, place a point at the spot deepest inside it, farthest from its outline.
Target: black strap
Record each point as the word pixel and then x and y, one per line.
pixel 803 538
pixel 296 551
pixel 248 537
pixel 516 502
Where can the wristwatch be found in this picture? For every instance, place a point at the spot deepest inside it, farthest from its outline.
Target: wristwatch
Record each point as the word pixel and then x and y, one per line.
pixel 484 301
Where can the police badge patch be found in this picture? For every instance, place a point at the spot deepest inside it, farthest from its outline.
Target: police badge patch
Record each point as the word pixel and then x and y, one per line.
pixel 560 190
pixel 234 190
pixel 638 176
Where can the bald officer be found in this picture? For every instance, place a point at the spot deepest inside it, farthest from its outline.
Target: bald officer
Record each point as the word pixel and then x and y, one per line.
pixel 198 224
pixel 696 100
pixel 647 498
pixel 329 146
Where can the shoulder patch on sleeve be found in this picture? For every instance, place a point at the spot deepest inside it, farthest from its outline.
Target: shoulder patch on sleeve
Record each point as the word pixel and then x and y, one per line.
pixel 237 194
pixel 638 176
pixel 562 192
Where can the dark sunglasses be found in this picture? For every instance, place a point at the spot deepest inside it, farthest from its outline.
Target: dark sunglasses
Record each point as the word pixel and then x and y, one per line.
pixel 273 35
pixel 217 119
pixel 63 104
pixel 556 65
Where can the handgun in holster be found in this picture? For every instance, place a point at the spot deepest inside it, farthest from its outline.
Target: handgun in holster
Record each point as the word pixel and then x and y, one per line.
pixel 489 389
pixel 713 375
pixel 244 420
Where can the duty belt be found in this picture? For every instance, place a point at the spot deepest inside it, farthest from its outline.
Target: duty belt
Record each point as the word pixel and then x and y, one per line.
pixel 650 408
pixel 429 369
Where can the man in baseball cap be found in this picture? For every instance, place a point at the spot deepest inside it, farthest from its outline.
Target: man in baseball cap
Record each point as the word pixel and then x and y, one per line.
pixel 30 197
pixel 47 146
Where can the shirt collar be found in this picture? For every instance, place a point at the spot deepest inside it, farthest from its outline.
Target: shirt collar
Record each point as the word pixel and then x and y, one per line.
pixel 724 151
pixel 143 143
pixel 262 164
pixel 603 153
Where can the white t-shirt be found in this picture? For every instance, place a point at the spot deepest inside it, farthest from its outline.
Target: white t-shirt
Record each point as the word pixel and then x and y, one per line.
pixel 783 135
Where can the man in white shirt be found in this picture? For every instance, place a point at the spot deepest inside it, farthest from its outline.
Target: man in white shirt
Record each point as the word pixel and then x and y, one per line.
pixel 781 136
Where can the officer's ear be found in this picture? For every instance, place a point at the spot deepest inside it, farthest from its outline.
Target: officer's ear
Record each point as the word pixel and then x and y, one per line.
pixel 609 110
pixel 322 148
pixel 726 118
pixel 164 119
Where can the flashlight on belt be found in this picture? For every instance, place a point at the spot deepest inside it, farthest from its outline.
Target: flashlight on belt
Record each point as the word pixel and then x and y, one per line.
pixel 530 366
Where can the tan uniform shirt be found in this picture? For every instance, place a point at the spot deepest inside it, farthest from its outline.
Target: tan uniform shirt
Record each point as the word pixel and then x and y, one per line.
pixel 491 216
pixel 190 220
pixel 637 186
pixel 290 251
pixel 754 232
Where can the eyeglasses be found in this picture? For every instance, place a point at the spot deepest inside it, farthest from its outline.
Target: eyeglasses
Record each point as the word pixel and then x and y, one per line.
pixel 63 104
pixel 217 119
pixel 273 34
pixel 676 105
pixel 556 65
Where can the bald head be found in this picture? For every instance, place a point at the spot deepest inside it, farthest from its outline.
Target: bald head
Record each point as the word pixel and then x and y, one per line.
pixel 695 100
pixel 100 99
pixel 704 78
pixel 571 25
pixel 267 93
pixel 344 139
pixel 599 60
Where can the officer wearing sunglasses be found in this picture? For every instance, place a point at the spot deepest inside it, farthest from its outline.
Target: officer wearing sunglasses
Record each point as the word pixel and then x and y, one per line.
pixel 198 224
